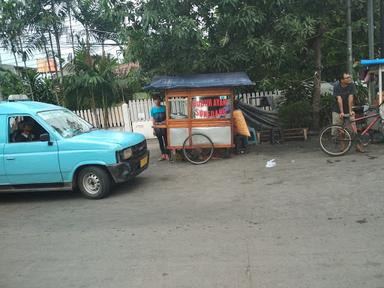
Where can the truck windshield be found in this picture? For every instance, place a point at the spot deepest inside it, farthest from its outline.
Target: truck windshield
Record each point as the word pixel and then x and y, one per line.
pixel 66 123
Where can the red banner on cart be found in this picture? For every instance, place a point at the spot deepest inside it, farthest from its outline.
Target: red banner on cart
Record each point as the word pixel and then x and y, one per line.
pixel 211 107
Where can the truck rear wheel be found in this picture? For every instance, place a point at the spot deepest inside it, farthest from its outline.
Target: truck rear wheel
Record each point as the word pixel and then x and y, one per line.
pixel 94 182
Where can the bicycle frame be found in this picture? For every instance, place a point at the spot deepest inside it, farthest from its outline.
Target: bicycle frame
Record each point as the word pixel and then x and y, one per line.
pixel 354 128
pixel 353 122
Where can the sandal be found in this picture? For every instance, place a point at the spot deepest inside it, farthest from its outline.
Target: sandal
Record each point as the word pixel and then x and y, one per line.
pixel 359 149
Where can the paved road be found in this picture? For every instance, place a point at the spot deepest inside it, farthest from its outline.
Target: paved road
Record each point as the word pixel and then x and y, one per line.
pixel 311 221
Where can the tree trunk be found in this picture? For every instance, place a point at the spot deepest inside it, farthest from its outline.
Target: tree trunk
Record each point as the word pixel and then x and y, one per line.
pixel 61 78
pixel 14 54
pixel 70 28
pixel 102 49
pixel 94 111
pixel 24 59
pixel 47 56
pixel 55 63
pixel 57 38
pixel 53 53
pixel 105 110
pixel 50 69
pixel 316 88
pixel 122 94
pixel 87 46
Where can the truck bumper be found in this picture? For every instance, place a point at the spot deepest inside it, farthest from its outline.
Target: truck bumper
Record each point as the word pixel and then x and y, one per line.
pixel 124 171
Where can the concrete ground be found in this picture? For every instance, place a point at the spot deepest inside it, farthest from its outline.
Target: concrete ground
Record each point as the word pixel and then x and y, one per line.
pixel 311 221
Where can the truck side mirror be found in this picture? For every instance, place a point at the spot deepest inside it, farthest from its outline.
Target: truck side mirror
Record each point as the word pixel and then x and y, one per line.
pixel 44 137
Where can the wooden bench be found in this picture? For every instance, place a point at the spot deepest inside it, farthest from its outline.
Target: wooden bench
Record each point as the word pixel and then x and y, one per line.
pixel 296 133
pixel 284 135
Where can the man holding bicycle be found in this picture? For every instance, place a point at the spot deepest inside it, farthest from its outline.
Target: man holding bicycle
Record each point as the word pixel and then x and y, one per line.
pixel 344 91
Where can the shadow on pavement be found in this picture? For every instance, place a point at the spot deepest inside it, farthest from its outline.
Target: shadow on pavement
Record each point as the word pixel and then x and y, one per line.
pixel 49 196
pixel 129 187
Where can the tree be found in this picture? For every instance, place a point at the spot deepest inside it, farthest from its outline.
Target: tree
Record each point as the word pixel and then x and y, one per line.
pixel 13 25
pixel 40 21
pixel 92 78
pixel 275 42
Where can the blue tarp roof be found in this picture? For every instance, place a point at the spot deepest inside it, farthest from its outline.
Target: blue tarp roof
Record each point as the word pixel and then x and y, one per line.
pixel 372 61
pixel 200 81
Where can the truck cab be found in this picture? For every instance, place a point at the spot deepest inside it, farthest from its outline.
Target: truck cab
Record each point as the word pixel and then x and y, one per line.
pixel 48 147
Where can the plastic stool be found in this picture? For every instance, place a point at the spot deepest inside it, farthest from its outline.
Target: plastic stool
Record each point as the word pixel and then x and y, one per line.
pixel 252 139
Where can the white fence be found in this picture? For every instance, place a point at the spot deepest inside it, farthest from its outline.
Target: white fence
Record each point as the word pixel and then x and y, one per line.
pixel 265 99
pixel 111 118
pixel 140 110
pixel 132 117
pixel 135 116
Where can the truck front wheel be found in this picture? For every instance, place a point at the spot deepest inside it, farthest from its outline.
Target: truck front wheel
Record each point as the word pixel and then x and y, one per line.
pixel 94 182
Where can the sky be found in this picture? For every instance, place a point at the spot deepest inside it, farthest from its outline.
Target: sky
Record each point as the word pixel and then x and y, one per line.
pixel 66 48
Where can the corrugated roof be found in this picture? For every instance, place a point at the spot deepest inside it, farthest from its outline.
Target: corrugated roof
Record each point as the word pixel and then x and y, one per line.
pixel 200 81
pixel 372 61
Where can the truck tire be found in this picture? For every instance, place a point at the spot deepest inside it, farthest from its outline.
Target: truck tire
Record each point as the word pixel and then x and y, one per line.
pixel 94 182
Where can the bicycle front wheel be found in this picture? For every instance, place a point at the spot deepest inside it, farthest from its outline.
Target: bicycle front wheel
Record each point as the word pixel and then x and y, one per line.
pixel 335 140
pixel 198 148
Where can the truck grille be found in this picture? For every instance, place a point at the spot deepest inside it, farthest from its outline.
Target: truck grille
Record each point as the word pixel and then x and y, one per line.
pixel 139 148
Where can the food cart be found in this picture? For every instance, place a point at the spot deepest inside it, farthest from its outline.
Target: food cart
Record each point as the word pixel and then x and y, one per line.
pixel 199 112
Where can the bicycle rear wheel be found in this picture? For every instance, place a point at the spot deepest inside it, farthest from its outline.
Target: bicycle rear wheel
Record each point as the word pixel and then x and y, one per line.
pixel 335 140
pixel 198 148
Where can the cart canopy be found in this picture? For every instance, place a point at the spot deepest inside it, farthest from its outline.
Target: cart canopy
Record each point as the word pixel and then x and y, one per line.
pixel 372 61
pixel 235 79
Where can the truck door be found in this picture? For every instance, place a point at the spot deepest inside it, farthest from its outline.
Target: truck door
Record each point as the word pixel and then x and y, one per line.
pixel 3 177
pixel 27 159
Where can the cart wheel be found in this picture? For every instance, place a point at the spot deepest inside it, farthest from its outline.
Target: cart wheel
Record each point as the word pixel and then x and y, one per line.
pixel 198 148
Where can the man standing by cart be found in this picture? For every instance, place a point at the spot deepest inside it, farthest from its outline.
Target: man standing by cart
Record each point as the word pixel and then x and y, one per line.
pixel 158 114
pixel 344 92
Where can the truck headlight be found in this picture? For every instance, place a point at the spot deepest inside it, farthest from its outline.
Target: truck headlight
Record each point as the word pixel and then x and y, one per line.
pixel 125 154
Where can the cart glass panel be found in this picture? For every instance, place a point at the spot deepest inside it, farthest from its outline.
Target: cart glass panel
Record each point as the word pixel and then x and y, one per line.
pixel 178 107
pixel 211 107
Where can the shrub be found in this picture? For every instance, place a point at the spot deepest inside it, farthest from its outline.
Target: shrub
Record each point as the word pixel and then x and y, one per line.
pixel 297 91
pixel 296 114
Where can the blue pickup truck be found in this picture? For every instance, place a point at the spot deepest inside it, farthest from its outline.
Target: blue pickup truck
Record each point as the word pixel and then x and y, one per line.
pixel 47 147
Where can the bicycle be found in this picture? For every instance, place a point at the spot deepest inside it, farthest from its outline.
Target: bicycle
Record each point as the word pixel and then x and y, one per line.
pixel 336 140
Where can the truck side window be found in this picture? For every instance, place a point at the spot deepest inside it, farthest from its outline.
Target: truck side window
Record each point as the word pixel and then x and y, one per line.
pixel 24 129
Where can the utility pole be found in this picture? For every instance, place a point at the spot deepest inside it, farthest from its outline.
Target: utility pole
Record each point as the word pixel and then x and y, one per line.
pixel 371 84
pixel 349 38
pixel 381 28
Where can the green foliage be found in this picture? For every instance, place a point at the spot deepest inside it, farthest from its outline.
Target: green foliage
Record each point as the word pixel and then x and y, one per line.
pixel 361 97
pixel 295 91
pixel 27 82
pixel 37 87
pixel 295 114
pixel 133 83
pixel 93 82
pixel 10 83
pixel 273 41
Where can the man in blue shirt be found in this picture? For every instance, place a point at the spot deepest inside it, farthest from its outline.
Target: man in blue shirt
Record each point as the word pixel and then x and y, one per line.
pixel 158 114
